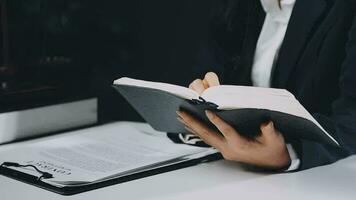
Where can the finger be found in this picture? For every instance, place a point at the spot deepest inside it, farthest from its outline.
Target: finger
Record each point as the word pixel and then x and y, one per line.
pixel 186 127
pixel 226 129
pixel 205 83
pixel 190 130
pixel 207 135
pixel 268 131
pixel 212 79
pixel 197 85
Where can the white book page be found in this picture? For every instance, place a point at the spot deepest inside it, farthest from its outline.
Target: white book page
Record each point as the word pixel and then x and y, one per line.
pixel 229 97
pixel 97 153
pixel 173 89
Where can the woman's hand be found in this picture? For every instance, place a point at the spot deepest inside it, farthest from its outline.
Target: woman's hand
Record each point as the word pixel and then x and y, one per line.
pixel 210 79
pixel 268 150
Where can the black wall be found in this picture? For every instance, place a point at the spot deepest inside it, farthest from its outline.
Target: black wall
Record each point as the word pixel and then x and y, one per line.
pixel 169 34
pixel 154 40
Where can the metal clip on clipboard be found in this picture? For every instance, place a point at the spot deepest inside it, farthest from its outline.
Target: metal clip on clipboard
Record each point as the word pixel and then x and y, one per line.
pixel 44 175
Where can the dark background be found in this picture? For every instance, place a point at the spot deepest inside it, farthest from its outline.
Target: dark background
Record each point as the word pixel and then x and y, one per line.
pixel 79 47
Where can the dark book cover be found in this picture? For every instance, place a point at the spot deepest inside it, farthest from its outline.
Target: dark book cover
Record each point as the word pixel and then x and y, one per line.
pixel 159 108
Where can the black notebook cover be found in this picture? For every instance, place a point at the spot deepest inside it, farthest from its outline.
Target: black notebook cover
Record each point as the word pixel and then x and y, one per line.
pixel 159 108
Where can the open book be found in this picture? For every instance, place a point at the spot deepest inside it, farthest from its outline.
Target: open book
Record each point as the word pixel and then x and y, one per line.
pixel 89 158
pixel 244 107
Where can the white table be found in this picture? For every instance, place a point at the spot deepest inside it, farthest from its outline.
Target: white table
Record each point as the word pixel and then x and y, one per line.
pixel 215 180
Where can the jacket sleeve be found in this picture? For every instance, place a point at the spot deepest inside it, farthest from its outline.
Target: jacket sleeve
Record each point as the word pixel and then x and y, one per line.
pixel 341 123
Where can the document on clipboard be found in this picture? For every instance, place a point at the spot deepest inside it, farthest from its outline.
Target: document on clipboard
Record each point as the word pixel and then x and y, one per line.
pixel 95 155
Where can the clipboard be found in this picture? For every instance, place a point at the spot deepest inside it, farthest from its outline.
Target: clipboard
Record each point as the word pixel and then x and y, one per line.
pixel 72 190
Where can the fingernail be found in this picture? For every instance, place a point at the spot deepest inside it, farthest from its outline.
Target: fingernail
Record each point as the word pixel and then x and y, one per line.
pixel 189 129
pixel 181 120
pixel 267 125
pixel 209 114
pixel 271 124
pixel 178 113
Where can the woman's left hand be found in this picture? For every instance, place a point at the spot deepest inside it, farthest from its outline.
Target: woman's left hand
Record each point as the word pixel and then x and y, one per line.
pixel 268 150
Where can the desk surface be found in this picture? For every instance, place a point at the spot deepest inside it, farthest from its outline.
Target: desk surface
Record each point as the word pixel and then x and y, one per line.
pixel 215 180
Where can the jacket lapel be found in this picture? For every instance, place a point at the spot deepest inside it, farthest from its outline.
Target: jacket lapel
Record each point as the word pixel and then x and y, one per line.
pixel 304 16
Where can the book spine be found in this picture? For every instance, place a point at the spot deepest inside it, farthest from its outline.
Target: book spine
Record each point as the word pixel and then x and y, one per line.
pixel 202 101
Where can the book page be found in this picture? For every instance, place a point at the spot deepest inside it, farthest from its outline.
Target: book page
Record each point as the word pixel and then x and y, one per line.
pixel 230 97
pixel 173 89
pixel 97 153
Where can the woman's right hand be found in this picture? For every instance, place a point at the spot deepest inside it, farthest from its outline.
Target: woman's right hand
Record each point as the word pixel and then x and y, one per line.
pixel 210 79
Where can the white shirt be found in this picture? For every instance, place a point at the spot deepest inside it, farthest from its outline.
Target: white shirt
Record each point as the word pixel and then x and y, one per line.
pixel 267 49
pixel 270 40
